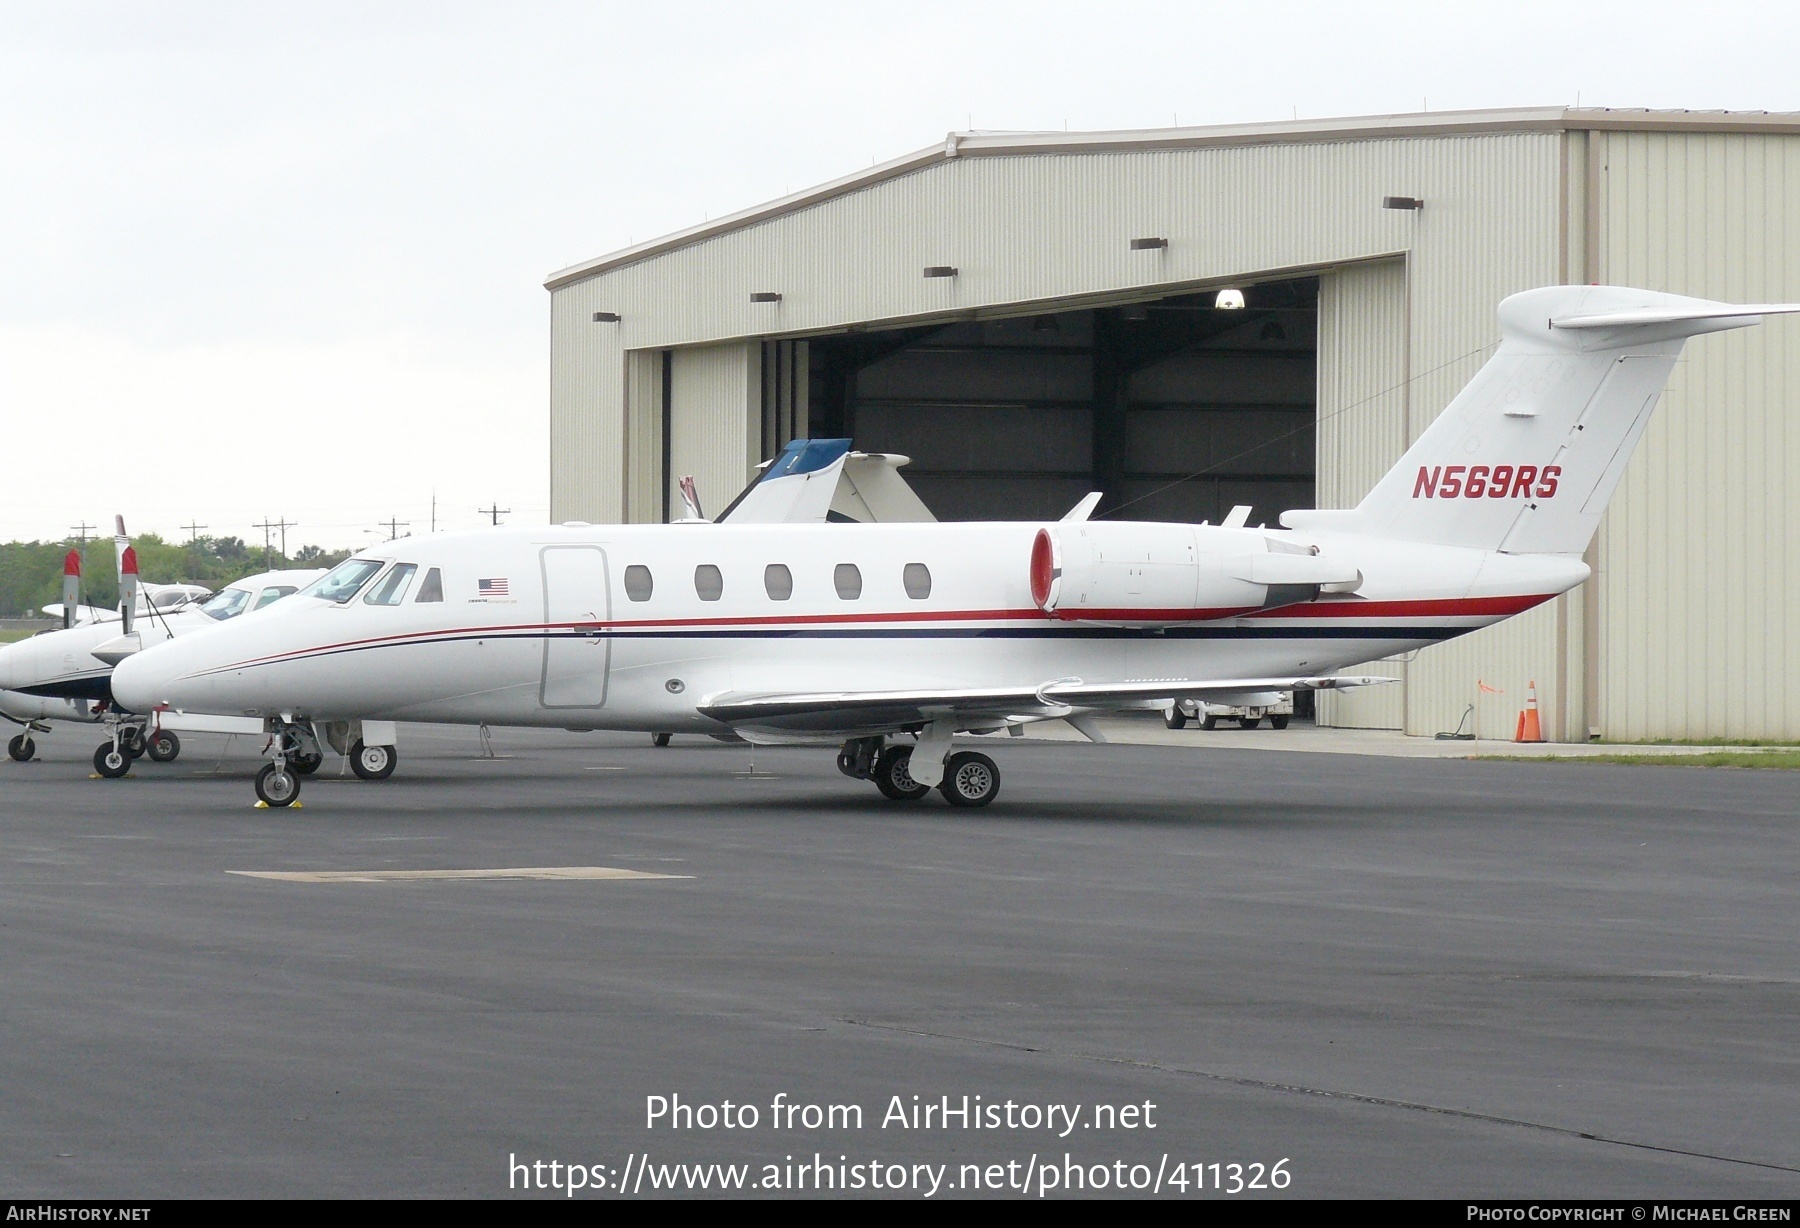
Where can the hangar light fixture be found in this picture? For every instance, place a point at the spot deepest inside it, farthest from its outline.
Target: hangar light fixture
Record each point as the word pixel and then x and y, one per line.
pixel 1148 245
pixel 1045 324
pixel 1402 202
pixel 1229 300
pixel 940 270
pixel 1137 314
pixel 606 317
pixel 765 296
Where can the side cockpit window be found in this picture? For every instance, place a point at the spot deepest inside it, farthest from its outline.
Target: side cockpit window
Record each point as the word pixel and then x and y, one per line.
pixel 392 588
pixel 274 593
pixel 432 588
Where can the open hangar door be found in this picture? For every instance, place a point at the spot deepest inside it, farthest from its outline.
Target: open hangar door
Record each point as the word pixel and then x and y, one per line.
pixel 1175 408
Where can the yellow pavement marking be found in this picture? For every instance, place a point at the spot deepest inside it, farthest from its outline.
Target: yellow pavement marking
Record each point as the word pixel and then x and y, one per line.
pixel 408 876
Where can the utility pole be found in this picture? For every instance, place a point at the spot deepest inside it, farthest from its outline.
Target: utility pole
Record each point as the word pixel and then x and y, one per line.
pixel 83 528
pixel 394 526
pixel 434 510
pixel 282 525
pixel 495 512
pixel 193 531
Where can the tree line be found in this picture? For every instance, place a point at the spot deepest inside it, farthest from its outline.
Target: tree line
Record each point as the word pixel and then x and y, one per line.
pixel 31 572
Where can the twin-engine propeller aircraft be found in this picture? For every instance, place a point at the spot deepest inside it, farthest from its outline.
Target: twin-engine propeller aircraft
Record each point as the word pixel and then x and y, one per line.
pixel 890 638
pixel 66 674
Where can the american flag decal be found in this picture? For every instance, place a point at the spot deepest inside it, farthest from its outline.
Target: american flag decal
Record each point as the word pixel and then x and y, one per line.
pixel 492 588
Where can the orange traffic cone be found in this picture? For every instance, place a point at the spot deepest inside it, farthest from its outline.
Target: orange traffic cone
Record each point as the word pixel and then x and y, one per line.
pixel 1529 729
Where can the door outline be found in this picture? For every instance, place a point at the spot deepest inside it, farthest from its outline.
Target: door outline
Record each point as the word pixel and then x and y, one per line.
pixel 559 642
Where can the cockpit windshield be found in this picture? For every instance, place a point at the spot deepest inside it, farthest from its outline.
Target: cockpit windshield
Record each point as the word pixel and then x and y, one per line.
pixel 343 582
pixel 228 604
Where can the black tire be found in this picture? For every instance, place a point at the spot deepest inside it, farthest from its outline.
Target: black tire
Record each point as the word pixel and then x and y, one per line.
pixel 1209 722
pixel 21 748
pixel 277 787
pixel 1249 722
pixel 306 765
pixel 131 741
pixel 372 762
pixel 1175 718
pixel 1278 722
pixel 165 747
pixel 659 739
pixel 111 763
pixel 970 779
pixel 893 779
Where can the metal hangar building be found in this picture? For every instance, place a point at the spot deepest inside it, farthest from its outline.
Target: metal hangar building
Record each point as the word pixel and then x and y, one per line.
pixel 1031 316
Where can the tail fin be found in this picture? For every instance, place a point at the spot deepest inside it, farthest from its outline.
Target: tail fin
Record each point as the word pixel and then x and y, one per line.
pixel 1527 455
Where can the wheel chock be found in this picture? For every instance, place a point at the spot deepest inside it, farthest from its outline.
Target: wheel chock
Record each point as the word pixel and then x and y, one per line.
pixel 262 805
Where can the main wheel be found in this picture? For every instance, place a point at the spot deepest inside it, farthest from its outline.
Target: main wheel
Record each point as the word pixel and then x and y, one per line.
pixel 970 779
pixel 1278 722
pixel 1249 722
pixel 1209 722
pixel 111 763
pixel 165 747
pixel 1175 718
pixel 659 739
pixel 131 741
pixel 894 779
pixel 277 786
pixel 306 765
pixel 21 748
pixel 372 762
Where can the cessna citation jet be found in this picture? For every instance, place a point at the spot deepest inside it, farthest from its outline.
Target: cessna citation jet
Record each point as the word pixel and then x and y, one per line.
pixel 890 638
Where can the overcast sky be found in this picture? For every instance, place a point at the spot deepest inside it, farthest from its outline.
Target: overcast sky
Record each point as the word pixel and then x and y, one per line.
pixel 266 260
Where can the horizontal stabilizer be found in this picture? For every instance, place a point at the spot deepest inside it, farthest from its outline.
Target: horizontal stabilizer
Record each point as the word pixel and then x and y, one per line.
pixel 1745 314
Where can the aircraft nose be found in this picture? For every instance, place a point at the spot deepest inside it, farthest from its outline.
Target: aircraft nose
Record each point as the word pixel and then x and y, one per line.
pixel 140 682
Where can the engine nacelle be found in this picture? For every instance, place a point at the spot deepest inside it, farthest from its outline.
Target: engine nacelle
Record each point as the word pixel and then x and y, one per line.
pixel 1123 573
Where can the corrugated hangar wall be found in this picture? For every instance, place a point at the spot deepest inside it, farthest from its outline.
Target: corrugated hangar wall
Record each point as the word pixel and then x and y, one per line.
pixel 1405 317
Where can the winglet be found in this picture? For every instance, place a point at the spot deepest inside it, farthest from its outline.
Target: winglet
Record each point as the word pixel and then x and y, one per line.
pixel 1081 511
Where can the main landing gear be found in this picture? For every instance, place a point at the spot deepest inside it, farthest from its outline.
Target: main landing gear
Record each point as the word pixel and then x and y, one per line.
pixel 964 778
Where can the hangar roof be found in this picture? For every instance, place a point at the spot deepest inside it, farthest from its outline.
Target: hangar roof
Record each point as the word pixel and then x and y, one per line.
pixel 1361 127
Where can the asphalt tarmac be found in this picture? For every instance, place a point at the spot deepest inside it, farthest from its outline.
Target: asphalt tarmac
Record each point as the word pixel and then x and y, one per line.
pixel 1398 977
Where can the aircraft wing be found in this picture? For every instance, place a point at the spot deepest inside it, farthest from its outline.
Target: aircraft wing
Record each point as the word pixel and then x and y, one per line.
pixel 859 712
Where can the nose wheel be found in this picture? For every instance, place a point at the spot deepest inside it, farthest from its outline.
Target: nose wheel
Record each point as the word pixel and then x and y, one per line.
pixel 111 761
pixel 277 785
pixel 21 748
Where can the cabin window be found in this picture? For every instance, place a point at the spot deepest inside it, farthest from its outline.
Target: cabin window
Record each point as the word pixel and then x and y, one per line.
pixel 918 581
pixel 432 589
pixel 639 583
pixel 848 581
pixel 274 593
pixel 709 585
pixel 393 586
pixel 343 581
pixel 778 581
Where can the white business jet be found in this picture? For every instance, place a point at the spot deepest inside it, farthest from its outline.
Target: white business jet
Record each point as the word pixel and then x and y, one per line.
pixel 890 638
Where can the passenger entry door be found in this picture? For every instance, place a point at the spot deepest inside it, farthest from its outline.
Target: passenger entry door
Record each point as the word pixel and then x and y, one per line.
pixel 577 639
